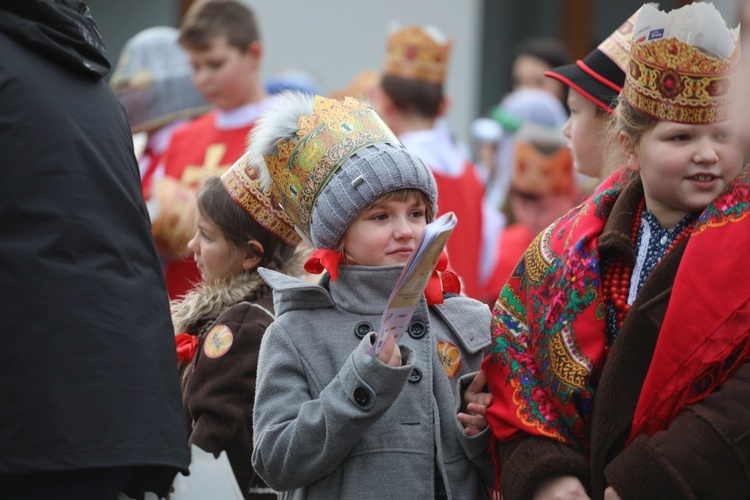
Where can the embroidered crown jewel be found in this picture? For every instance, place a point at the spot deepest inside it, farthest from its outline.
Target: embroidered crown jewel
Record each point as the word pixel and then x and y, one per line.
pixel 241 181
pixel 683 65
pixel 304 165
pixel 414 53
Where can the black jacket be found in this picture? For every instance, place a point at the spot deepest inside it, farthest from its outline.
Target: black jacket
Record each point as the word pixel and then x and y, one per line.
pixel 88 374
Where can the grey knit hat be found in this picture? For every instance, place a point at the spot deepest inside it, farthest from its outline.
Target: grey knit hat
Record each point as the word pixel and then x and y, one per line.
pixel 363 178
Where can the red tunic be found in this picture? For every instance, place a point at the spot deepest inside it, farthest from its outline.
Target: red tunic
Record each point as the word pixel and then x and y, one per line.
pixel 198 150
pixel 463 195
pixel 514 241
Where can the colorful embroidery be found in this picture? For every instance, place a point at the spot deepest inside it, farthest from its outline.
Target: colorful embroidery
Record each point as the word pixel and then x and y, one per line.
pixel 730 206
pixel 536 357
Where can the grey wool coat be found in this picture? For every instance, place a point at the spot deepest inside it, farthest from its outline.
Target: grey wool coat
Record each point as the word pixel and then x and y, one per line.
pixel 331 421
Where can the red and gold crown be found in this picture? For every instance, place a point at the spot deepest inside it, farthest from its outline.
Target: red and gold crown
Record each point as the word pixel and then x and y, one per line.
pixel 241 181
pixel 539 174
pixel 414 54
pixel 673 80
pixel 304 164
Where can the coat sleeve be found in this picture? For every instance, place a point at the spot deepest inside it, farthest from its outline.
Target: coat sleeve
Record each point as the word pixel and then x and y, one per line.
pixel 221 391
pixel 300 438
pixel 704 453
pixel 528 460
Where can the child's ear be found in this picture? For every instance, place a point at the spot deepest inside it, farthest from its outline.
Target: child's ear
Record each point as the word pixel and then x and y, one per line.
pixel 629 152
pixel 253 258
pixel 255 50
pixel 445 104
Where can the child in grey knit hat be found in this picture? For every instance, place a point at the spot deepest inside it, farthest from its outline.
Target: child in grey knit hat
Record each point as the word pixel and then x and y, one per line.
pixel 331 421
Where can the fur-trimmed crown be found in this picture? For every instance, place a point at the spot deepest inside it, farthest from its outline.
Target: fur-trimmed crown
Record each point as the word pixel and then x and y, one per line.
pixel 298 149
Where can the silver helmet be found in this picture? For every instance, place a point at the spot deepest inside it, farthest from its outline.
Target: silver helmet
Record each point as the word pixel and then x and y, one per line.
pixel 153 80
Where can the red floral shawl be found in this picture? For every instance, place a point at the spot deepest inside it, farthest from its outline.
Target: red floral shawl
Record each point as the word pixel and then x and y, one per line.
pixel 549 321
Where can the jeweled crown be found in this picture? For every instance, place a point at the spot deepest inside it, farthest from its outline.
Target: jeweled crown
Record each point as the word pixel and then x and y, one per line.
pixel 304 164
pixel 241 182
pixel 671 79
pixel 414 54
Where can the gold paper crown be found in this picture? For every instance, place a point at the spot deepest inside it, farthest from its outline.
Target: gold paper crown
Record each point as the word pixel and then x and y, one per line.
pixel 303 166
pixel 413 54
pixel 672 80
pixel 539 174
pixel 241 181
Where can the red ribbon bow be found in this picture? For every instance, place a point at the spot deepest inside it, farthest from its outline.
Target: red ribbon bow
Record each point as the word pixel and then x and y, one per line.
pixel 186 347
pixel 443 279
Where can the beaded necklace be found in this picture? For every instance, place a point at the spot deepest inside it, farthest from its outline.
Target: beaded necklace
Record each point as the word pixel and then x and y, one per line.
pixel 617 276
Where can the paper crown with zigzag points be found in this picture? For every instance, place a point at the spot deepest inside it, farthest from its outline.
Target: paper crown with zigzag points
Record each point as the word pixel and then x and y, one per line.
pixel 683 65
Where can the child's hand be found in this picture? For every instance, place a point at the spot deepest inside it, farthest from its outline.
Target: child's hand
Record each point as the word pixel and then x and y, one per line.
pixel 561 488
pixel 611 494
pixel 476 405
pixel 390 354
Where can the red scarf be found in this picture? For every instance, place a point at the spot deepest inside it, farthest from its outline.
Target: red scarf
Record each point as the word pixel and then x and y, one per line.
pixel 548 324
pixel 443 279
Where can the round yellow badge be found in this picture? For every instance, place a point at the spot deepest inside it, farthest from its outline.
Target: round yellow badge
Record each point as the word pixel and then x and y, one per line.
pixel 218 341
pixel 450 356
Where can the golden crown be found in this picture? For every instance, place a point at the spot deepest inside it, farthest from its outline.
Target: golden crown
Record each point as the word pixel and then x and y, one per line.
pixel 671 80
pixel 241 181
pixel 412 53
pixel 304 164
pixel 540 174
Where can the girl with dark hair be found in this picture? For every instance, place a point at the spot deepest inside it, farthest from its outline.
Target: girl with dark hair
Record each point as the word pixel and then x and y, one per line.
pixel 219 325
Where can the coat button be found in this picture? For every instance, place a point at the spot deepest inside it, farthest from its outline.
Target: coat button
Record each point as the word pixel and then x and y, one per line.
pixel 415 375
pixel 417 329
pixel 361 397
pixel 362 329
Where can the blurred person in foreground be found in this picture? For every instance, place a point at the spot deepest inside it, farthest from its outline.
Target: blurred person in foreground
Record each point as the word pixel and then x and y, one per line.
pixel 88 377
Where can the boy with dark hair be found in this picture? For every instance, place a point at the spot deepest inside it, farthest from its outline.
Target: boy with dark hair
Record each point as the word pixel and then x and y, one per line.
pixel 224 48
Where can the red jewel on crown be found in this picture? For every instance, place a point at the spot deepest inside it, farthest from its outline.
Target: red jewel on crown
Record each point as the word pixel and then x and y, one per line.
pixel 411 52
pixel 670 84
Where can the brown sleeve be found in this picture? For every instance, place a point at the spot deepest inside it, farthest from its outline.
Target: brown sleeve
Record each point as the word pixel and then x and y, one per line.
pixel 526 461
pixel 705 452
pixel 220 393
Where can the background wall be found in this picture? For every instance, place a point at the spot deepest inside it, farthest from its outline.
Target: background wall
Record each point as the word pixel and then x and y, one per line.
pixel 335 39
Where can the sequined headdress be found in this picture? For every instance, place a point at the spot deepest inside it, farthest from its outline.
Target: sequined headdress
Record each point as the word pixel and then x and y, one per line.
pixel 241 181
pixel 417 53
pixel 683 64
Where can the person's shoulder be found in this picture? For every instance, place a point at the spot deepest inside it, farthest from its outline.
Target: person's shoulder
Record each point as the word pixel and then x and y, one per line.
pixel 195 126
pixel 290 293
pixel 258 312
pixel 468 318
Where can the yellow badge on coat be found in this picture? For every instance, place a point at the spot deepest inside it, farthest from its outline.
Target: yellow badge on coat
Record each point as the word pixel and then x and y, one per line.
pixel 450 356
pixel 218 341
